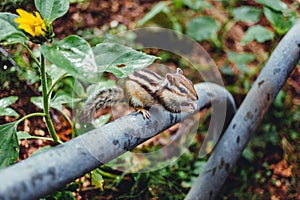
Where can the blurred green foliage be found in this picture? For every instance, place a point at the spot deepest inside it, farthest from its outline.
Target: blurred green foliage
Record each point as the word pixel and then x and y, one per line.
pixel 11 5
pixel 264 23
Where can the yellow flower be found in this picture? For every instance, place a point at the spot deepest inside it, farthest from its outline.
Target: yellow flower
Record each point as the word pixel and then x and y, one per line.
pixel 32 24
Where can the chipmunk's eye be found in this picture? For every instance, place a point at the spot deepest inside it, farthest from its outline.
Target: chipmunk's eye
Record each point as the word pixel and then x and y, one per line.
pixel 182 90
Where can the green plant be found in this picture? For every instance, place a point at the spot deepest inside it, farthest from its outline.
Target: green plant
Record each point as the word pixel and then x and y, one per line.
pixel 6 5
pixel 4 109
pixel 71 59
pixel 279 15
pixel 162 15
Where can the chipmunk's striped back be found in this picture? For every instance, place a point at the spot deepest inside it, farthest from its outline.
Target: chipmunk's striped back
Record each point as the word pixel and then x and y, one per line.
pixel 141 88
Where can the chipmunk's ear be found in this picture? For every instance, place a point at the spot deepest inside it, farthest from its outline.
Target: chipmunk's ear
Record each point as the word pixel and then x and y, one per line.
pixel 179 71
pixel 170 78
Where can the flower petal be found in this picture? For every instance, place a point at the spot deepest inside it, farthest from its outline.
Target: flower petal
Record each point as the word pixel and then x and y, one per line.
pixel 32 24
pixel 38 31
pixel 26 15
pixel 27 29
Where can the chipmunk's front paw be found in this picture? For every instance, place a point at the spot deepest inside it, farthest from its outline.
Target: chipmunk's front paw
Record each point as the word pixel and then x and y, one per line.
pixel 146 114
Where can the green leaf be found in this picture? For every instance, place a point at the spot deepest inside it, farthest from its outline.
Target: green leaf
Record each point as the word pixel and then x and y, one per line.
pixel 9 146
pixel 246 14
pixel 56 102
pixel 4 103
pixel 197 4
pixel 9 31
pixel 8 112
pixel 24 135
pixel 158 8
pixel 7 101
pixel 258 33
pixel 54 72
pixel 199 165
pixel 203 28
pixel 161 14
pixel 227 70
pixel 248 154
pixel 59 99
pixel 41 150
pixel 74 55
pixel 80 90
pixel 100 121
pixel 239 58
pixel 274 4
pixel 279 100
pixel 93 89
pixel 31 76
pixel 38 102
pixel 52 9
pixel 64 194
pixel 178 4
pixel 97 179
pixel 120 60
pixel 279 21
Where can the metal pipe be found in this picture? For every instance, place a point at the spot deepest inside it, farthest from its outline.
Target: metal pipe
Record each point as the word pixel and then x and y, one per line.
pixel 248 117
pixel 51 170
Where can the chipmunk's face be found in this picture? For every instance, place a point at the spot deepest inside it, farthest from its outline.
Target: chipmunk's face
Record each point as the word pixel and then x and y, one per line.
pixel 182 96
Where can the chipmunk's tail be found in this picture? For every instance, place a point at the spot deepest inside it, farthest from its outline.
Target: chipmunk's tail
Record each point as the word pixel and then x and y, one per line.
pixel 104 98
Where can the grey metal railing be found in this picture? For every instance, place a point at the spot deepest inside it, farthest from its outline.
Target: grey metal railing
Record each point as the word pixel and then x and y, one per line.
pixel 49 171
pixel 248 117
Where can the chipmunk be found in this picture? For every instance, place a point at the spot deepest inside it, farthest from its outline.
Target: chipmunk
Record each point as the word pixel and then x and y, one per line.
pixel 145 88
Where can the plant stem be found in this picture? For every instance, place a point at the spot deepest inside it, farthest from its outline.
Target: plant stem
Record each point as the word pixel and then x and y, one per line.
pixel 31 54
pixel 74 132
pixel 31 115
pixel 53 85
pixel 46 101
